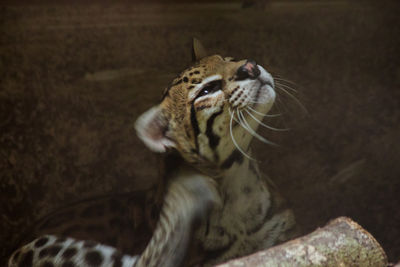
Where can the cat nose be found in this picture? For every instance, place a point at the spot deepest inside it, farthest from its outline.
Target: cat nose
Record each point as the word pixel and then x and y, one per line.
pixel 248 70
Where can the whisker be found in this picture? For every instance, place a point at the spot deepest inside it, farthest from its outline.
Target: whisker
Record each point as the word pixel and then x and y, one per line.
pixel 230 112
pixel 278 77
pixel 294 98
pixel 264 115
pixel 265 125
pixel 256 102
pixel 247 127
pixel 282 108
pixel 286 86
pixel 234 141
pixel 282 82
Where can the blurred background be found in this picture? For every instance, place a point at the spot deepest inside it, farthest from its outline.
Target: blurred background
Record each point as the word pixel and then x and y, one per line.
pixel 76 75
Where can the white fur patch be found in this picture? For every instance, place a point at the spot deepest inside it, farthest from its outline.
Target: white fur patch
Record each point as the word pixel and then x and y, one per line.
pixel 150 129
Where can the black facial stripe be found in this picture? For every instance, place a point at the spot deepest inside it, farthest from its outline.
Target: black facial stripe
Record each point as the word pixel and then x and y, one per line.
pixel 177 82
pixel 235 156
pixel 203 107
pixel 166 93
pixel 195 126
pixel 213 139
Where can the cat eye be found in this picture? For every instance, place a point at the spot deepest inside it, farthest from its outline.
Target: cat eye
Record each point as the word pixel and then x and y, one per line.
pixel 211 87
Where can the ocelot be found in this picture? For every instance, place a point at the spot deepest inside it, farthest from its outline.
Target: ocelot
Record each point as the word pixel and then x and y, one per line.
pixel 216 205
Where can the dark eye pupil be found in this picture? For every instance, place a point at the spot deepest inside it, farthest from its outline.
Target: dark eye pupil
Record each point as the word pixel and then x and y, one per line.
pixel 211 87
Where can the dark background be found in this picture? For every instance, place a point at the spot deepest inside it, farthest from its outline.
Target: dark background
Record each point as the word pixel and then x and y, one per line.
pixel 73 79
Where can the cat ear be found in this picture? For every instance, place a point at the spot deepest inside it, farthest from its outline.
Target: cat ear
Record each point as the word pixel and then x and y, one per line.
pixel 151 127
pixel 198 50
